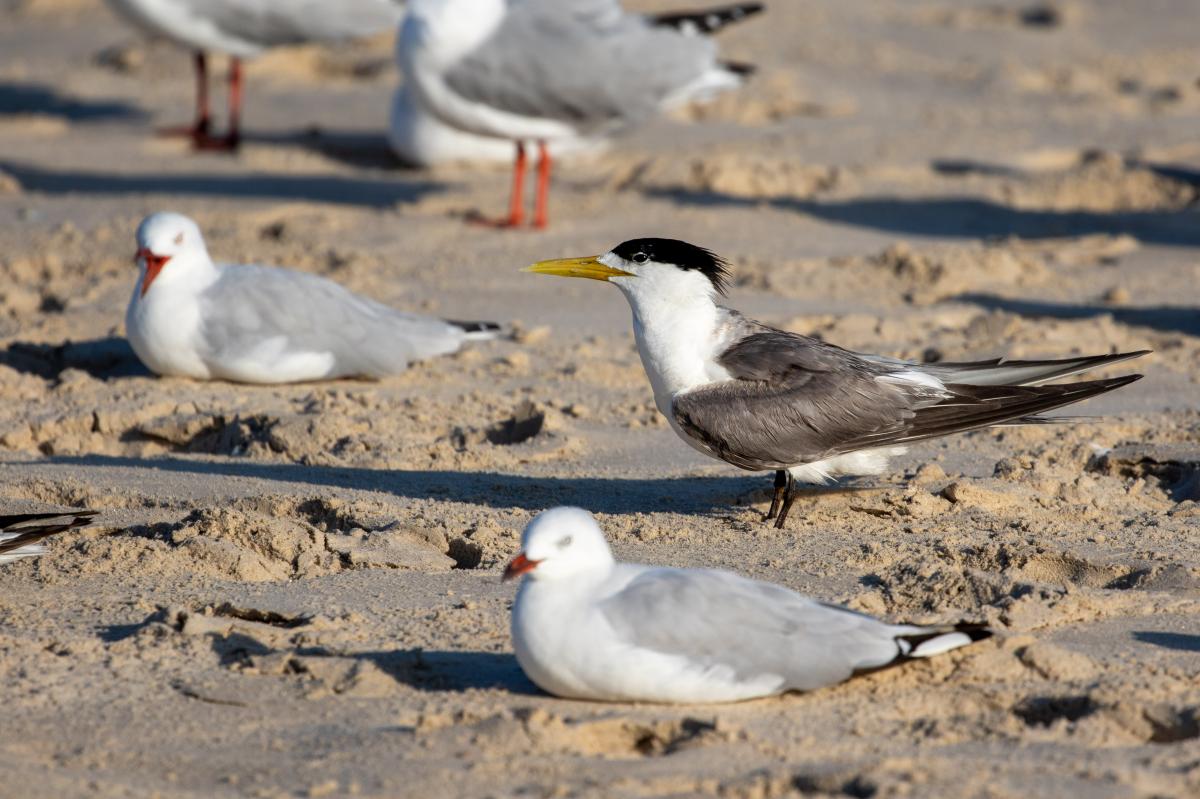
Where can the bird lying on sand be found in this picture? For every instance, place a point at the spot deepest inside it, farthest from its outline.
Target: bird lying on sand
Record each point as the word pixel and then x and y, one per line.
pixel 419 137
pixel 761 398
pixel 546 71
pixel 586 627
pixel 21 534
pixel 243 29
pixel 194 318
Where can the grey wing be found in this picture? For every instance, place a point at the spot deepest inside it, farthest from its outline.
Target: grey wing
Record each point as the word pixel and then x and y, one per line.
pixel 797 400
pixel 583 62
pixel 279 22
pixel 717 619
pixel 281 313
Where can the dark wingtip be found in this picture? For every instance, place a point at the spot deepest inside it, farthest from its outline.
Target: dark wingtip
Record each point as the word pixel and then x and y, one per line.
pixel 739 68
pixel 974 631
pixel 476 327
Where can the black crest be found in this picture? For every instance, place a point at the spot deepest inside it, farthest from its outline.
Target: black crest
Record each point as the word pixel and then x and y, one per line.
pixel 678 253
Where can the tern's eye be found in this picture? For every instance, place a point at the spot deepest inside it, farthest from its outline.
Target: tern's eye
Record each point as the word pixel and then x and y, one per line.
pixel 640 258
pixel 564 542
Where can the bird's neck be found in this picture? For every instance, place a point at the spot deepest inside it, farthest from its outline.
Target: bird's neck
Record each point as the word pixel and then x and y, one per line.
pixel 184 276
pixel 678 339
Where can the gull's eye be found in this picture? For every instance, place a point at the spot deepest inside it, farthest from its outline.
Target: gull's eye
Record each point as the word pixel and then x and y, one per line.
pixel 640 258
pixel 564 542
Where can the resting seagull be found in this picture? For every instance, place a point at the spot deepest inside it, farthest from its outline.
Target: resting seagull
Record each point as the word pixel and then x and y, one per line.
pixel 194 318
pixel 421 138
pixel 21 534
pixel 549 71
pixel 243 29
pixel 761 398
pixel 586 627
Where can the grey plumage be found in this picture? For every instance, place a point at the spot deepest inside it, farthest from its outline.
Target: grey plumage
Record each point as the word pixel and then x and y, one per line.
pixel 585 63
pixel 795 399
pixel 258 312
pixel 21 534
pixel 720 620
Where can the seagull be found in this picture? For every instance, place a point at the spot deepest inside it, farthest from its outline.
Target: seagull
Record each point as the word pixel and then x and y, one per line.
pixel 194 318
pixel 766 399
pixel 243 29
pixel 587 627
pixel 21 534
pixel 421 138
pixel 546 71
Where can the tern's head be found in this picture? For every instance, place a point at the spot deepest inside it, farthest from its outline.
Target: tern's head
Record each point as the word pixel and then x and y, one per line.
pixel 642 268
pixel 165 238
pixel 560 544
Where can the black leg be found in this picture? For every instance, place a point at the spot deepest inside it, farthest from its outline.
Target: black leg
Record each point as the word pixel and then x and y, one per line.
pixel 781 477
pixel 788 499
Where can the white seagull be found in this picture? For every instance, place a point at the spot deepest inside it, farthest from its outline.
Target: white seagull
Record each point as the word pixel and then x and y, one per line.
pixel 586 627
pixel 546 71
pixel 194 318
pixel 21 534
pixel 243 29
pixel 421 138
pixel 766 399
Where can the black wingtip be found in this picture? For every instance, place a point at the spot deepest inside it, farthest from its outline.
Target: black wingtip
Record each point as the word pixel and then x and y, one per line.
pixel 974 631
pixel 706 21
pixel 476 327
pixel 739 68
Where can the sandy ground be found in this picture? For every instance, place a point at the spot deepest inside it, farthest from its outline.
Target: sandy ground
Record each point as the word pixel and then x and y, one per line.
pixel 295 590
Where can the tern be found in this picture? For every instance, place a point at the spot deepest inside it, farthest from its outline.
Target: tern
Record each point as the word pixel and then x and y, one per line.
pixel 587 627
pixel 546 71
pixel 21 534
pixel 419 137
pixel 243 29
pixel 766 399
pixel 194 318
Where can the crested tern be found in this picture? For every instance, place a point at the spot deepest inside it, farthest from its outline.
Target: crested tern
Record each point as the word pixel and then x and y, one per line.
pixel 243 29
pixel 767 399
pixel 21 534
pixel 546 71
pixel 191 317
pixel 587 627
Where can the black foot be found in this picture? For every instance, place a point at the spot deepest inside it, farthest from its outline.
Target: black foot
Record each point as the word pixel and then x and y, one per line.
pixel 780 488
pixel 788 499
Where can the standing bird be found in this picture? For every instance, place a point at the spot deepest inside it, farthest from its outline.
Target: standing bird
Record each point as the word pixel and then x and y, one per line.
pixel 194 318
pixel 21 534
pixel 546 71
pixel 586 627
pixel 243 29
pixel 761 398
pixel 419 137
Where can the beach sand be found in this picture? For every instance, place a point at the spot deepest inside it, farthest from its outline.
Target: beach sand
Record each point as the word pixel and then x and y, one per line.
pixel 294 591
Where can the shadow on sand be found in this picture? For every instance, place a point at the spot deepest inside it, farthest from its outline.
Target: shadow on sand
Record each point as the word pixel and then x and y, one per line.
pixel 1167 318
pixel 34 98
pixel 1182 642
pixel 382 192
pixel 101 358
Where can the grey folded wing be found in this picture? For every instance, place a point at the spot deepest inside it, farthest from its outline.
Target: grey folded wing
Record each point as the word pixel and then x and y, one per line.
pixel 256 312
pixel 582 62
pixel 795 400
pixel 280 22
pixel 720 620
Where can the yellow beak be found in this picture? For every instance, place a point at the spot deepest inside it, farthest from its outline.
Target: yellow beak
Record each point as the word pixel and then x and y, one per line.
pixel 588 267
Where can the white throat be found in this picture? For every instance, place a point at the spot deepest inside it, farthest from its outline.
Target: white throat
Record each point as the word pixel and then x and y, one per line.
pixel 679 333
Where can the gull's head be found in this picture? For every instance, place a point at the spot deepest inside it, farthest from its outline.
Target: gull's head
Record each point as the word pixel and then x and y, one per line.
pixel 166 238
pixel 644 268
pixel 560 544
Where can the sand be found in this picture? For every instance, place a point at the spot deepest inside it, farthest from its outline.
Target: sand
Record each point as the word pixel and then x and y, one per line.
pixel 294 591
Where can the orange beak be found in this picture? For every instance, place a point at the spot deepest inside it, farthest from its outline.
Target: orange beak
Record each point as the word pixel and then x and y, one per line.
pixel 519 565
pixel 154 265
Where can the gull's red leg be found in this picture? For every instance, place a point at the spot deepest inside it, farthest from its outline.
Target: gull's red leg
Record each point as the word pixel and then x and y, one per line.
pixel 541 214
pixel 231 140
pixel 198 130
pixel 516 204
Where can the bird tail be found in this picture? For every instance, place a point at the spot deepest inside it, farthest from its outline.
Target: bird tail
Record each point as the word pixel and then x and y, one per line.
pixel 21 534
pixel 477 331
pixel 1000 372
pixel 707 21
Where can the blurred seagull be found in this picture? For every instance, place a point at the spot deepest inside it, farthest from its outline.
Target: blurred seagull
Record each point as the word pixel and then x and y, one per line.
pixel 259 324
pixel 21 534
pixel 586 627
pixel 420 137
pixel 761 398
pixel 243 29
pixel 555 70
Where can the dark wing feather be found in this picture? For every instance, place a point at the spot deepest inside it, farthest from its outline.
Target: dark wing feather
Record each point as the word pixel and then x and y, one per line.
pixel 28 528
pixel 797 400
